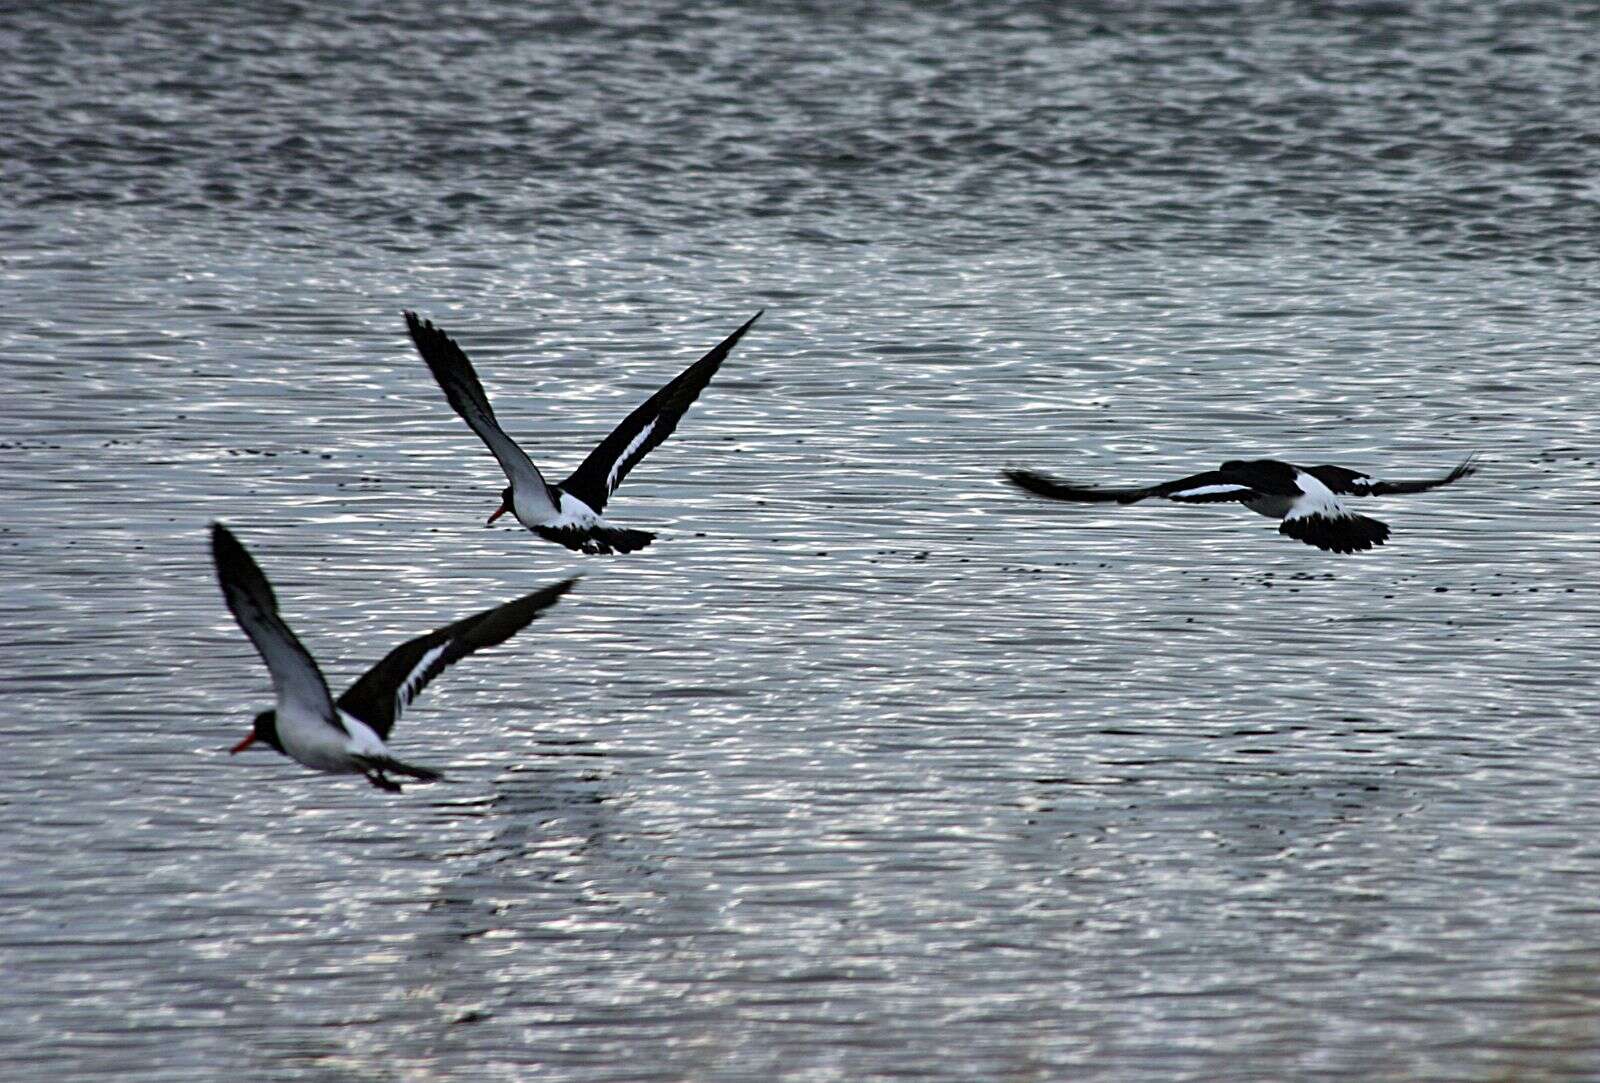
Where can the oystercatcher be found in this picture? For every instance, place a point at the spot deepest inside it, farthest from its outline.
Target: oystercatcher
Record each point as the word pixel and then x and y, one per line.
pixel 1306 498
pixel 569 513
pixel 347 736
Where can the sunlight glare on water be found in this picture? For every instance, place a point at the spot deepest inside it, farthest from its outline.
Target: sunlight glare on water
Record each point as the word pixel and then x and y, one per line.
pixel 871 766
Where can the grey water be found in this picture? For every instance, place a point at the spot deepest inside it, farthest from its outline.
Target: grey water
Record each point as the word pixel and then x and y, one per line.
pixel 871 767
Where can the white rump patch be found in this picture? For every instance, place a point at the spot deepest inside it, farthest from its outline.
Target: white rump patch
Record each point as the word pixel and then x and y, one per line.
pixel 363 741
pixel 1317 499
pixel 573 514
pixel 627 453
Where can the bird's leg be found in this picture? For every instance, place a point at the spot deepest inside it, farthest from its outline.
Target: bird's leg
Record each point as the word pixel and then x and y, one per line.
pixel 382 781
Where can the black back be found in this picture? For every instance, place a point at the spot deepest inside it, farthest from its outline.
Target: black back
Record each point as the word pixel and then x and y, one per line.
pixel 1262 475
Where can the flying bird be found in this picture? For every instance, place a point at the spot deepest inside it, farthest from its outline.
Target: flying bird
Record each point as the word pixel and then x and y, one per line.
pixel 346 736
pixel 569 513
pixel 1306 498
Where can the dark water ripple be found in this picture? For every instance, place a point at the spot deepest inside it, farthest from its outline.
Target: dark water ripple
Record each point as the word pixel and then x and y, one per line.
pixel 1452 131
pixel 870 768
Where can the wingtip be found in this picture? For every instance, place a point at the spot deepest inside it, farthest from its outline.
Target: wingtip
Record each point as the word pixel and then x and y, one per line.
pixel 747 324
pixel 1030 481
pixel 1464 469
pixel 235 566
pixel 549 595
pixel 1023 478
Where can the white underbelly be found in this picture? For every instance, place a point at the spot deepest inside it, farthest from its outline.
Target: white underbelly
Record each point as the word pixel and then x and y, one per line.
pixel 322 747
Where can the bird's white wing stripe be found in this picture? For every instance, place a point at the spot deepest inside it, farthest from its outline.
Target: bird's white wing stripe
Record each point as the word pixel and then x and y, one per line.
pixel 417 677
pixel 1211 490
pixel 627 453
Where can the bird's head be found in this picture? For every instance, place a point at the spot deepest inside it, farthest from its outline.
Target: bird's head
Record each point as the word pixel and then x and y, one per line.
pixel 505 504
pixel 265 729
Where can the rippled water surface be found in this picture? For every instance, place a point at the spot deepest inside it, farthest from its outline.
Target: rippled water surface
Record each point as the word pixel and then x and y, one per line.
pixel 870 767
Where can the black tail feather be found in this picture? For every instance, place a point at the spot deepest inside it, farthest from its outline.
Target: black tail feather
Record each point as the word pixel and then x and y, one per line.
pixel 374 767
pixel 621 540
pixel 1337 533
pixel 603 540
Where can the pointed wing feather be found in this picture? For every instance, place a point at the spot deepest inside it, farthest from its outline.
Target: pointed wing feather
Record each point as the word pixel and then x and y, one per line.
pixel 296 680
pixel 389 687
pixel 645 428
pixel 464 391
pixel 1353 483
pixel 1210 487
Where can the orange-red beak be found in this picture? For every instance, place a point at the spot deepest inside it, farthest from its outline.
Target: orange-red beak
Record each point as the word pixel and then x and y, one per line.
pixel 244 744
pixel 505 506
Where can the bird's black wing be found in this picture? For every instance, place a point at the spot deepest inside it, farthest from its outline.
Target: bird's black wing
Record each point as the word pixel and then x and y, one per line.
pixel 1211 487
pixel 641 431
pixel 389 687
pixel 464 391
pixel 296 679
pixel 1347 482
